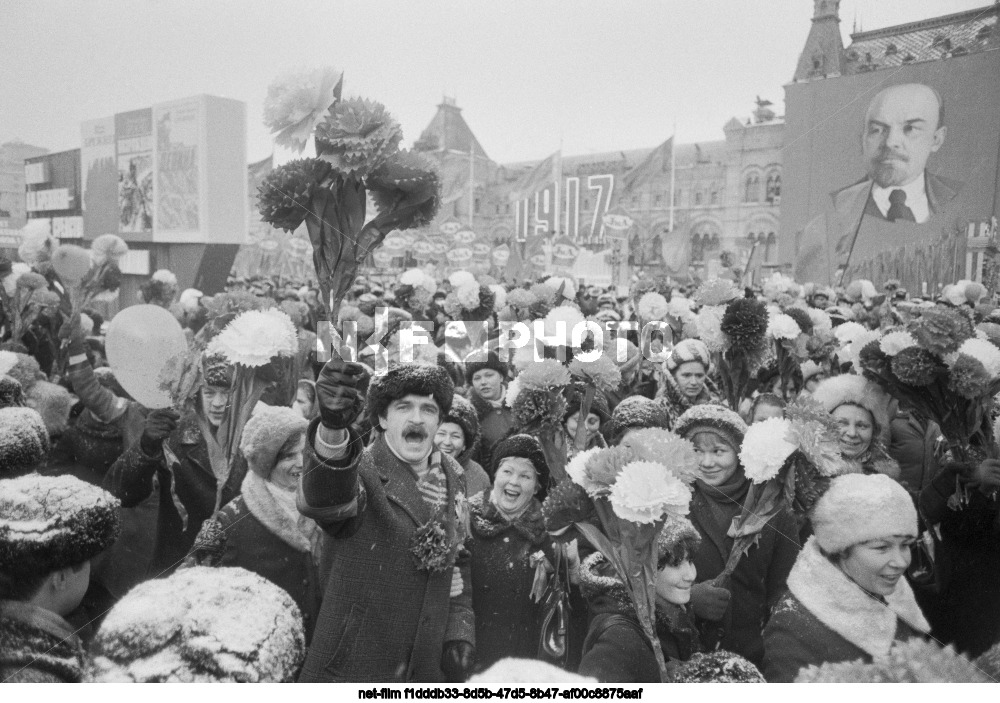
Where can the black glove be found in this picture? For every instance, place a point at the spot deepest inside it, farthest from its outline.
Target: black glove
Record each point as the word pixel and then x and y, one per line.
pixel 338 390
pixel 457 659
pixel 159 425
pixel 708 602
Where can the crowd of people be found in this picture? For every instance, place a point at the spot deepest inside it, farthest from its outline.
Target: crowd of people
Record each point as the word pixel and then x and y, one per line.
pixel 377 518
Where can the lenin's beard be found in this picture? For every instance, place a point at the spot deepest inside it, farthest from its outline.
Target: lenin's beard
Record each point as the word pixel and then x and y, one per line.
pixel 888 168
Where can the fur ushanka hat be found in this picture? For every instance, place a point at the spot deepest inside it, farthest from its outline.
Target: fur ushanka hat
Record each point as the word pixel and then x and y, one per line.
pixel 404 379
pixel 859 507
pixel 464 415
pixel 527 447
pixel 11 393
pixel 482 359
pixel 716 419
pixel 848 389
pixel 265 433
pixel 49 523
pixel 201 624
pixel 24 441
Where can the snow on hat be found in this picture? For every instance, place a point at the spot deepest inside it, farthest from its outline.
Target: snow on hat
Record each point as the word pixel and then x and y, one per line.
pixel 527 671
pixel 715 418
pixel 49 523
pixel 678 540
pixel 860 507
pixel 718 667
pixel 400 380
pixel 482 359
pixel 11 393
pixel 217 371
pixel 464 415
pixel 689 350
pixel 53 403
pixel 265 433
pixel 201 624
pixel 24 440
pixel 23 368
pixel 527 447
pixel 638 412
pixel 848 389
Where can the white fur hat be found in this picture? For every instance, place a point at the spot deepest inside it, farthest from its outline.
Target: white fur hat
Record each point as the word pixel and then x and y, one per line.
pixel 833 392
pixel 860 507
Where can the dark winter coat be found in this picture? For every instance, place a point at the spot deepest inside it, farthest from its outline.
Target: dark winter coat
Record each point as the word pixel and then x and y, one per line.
pixel 825 617
pixel 254 533
pixel 616 649
pixel 494 425
pixel 508 622
pixel 37 646
pixel 189 483
pixel 912 446
pixel 759 578
pixel 382 618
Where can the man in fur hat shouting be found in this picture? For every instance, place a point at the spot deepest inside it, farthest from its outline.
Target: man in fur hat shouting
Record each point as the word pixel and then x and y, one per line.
pixel 398 601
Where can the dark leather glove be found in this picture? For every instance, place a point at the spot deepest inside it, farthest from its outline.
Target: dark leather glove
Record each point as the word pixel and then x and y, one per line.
pixel 159 425
pixel 338 390
pixel 457 659
pixel 708 602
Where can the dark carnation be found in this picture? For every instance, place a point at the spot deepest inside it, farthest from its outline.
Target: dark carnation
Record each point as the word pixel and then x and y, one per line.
pixel 539 408
pixel 745 321
pixel 566 503
pixel 915 366
pixel 284 196
pixel 431 548
pixel 358 136
pixel 968 377
pixel 941 330
pixel 874 359
pixel 405 189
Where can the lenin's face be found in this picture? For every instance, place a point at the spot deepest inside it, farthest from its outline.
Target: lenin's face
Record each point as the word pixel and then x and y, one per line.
pixel 901 131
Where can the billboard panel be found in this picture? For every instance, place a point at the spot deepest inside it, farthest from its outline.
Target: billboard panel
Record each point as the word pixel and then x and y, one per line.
pixel 99 177
pixel 134 153
pixel 177 161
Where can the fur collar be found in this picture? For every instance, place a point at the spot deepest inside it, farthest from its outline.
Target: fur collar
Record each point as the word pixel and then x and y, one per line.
pixel 841 605
pixel 487 521
pixel 265 508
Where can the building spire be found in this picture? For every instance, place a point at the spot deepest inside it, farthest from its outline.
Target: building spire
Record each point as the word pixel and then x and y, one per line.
pixel 823 54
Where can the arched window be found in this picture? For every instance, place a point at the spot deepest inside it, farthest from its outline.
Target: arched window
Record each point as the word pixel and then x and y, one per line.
pixel 715 197
pixel 751 189
pixel 697 248
pixel 773 187
pixel 697 198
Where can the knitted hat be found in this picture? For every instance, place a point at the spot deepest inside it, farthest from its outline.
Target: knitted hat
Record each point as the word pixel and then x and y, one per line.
pixel 859 507
pixel 526 447
pixel 713 418
pixel 24 441
pixel 265 433
pixel 53 403
pixel 848 389
pixel 11 393
pixel 482 359
pixel 49 523
pixel 637 412
pixel 677 541
pixel 201 624
pixel 464 415
pixel 217 371
pixel 574 398
pixel 689 350
pixel 401 380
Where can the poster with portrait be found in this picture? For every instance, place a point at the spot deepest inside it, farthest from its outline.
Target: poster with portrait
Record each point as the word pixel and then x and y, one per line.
pixel 884 169
pixel 178 127
pixel 134 158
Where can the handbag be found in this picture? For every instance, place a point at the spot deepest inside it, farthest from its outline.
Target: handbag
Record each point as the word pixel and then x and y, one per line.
pixel 553 642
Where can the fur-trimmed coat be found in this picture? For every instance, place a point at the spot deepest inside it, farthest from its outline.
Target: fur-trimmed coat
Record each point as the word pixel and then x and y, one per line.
pixel 826 617
pixel 616 649
pixel 508 622
pixel 37 646
pixel 189 483
pixel 253 532
pixel 383 618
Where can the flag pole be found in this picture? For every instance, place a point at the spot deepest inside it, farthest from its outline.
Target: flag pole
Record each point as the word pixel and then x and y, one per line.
pixel 673 164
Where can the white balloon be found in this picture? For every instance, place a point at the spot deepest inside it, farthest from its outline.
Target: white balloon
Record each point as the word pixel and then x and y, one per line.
pixel 139 341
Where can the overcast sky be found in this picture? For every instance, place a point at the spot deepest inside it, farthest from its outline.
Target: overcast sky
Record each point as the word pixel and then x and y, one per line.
pixel 528 74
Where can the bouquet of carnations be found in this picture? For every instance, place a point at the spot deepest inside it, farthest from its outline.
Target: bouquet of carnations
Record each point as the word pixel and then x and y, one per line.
pixel 23 294
pixel 358 154
pixel 790 462
pixel 943 368
pixel 735 330
pixel 789 329
pixel 618 499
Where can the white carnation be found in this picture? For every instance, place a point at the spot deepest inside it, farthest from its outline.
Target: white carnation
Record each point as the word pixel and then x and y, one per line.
pixel 895 342
pixel 820 319
pixel 984 352
pixel 564 313
pixel 853 350
pixel 645 491
pixel 254 337
pixel 679 307
pixel 412 277
pixel 501 296
pixel 848 332
pixel 782 326
pixel 765 449
pixel 513 389
pixel 165 276
pixel 576 469
pixel 460 278
pixel 653 306
pixel 709 323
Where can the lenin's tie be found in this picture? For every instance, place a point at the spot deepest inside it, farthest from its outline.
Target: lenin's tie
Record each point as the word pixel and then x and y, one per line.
pixel 897 207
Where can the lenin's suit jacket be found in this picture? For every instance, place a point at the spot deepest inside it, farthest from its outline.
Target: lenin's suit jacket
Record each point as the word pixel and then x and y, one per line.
pixel 828 238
